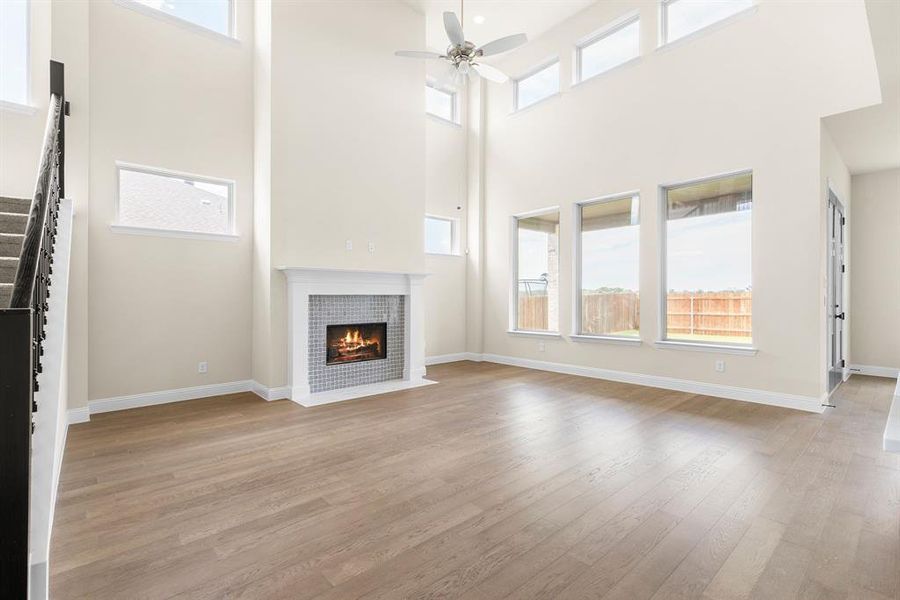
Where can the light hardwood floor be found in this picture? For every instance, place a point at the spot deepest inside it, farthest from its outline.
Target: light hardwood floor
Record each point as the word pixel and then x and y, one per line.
pixel 499 482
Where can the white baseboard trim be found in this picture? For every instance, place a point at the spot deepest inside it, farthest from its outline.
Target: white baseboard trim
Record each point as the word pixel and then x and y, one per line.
pixel 83 414
pixel 805 403
pixel 167 396
pixel 78 415
pixel 269 394
pixel 875 371
pixel 892 428
pixel 448 358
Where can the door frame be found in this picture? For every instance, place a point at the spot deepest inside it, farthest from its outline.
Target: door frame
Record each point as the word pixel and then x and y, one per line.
pixel 831 293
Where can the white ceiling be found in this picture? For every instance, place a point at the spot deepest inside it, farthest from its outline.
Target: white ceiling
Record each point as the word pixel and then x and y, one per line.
pixel 501 18
pixel 869 138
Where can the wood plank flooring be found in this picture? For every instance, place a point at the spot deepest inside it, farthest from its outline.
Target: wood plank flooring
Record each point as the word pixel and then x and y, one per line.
pixel 498 483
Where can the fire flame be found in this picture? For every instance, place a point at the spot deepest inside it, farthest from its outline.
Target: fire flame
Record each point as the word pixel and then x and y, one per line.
pixel 353 340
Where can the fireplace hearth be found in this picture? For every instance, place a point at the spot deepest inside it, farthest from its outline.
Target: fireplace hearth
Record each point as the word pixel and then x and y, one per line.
pixel 355 342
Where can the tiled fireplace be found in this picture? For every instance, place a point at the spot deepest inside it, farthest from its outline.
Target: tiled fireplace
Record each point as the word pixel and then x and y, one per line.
pixel 353 333
pixel 355 340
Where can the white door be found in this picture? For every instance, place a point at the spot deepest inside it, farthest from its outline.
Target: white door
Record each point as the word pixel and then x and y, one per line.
pixel 837 270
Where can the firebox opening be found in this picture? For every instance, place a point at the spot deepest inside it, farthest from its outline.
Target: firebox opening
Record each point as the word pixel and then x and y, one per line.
pixel 355 342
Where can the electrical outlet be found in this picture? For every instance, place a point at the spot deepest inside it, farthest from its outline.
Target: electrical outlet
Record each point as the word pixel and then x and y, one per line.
pixel 541 347
pixel 720 366
pixel 348 245
pixel 371 246
pixel 202 367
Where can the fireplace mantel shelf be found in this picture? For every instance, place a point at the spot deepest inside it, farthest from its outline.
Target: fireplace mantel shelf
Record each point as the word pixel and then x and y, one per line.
pixel 324 270
pixel 303 282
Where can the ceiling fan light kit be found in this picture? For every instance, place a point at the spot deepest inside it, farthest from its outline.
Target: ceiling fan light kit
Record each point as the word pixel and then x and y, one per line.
pixel 464 57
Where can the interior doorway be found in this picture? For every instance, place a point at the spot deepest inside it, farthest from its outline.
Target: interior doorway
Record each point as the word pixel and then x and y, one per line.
pixel 837 272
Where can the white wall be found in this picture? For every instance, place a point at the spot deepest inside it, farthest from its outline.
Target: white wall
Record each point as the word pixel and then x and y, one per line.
pixel 746 94
pixel 875 273
pixel 445 196
pixel 347 147
pixel 165 96
pixel 22 133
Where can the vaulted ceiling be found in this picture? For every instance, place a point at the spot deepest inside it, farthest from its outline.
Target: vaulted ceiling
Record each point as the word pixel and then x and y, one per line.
pixel 500 17
pixel 869 138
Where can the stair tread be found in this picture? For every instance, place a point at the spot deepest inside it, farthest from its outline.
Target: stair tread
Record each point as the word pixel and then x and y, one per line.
pixel 15 205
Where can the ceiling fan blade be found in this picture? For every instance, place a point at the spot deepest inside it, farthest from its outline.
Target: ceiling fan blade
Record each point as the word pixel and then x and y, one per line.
pixel 417 54
pixel 490 73
pixel 454 29
pixel 504 44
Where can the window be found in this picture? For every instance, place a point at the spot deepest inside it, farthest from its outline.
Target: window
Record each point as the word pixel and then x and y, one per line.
pixel 215 15
pixel 707 278
pixel 540 84
pixel 679 18
pixel 614 46
pixel 536 272
pixel 14 24
pixel 608 267
pixel 152 199
pixel 441 235
pixel 440 103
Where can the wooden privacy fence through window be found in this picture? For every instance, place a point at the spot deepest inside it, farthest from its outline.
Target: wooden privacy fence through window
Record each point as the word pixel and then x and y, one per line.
pixel 710 313
pixel 692 313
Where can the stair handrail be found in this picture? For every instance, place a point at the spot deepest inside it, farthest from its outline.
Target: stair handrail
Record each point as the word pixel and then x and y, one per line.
pixel 40 230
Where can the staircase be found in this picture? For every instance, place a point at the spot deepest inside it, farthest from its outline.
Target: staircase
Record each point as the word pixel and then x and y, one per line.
pixel 13 217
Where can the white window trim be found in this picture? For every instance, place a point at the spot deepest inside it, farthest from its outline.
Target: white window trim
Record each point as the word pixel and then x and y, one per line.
pixel 118 227
pixel 454 104
pixel 514 272
pixel 607 339
pixel 534 71
pixel 578 335
pixel 15 107
pixel 609 29
pixel 748 350
pixel 160 15
pixel 539 334
pixel 454 235
pixel 662 340
pixel 662 19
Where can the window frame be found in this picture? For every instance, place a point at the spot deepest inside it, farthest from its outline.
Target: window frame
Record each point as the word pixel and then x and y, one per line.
pixel 119 227
pixel 514 273
pixel 546 64
pixel 454 235
pixel 662 340
pixel 663 20
pixel 606 31
pixel 577 334
pixel 161 15
pixel 454 103
pixel 28 108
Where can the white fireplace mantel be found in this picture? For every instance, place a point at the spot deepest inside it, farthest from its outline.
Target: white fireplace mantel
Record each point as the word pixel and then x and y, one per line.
pixel 303 282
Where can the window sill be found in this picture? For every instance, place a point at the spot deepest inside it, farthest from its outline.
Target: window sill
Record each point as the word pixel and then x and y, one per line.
pixel 178 21
pixel 443 121
pixel 541 334
pixel 525 109
pixel 699 347
pixel 447 254
pixel 173 233
pixel 20 109
pixel 602 74
pixel 605 339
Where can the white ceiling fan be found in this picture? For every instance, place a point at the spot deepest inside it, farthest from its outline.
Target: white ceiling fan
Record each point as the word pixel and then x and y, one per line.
pixel 464 56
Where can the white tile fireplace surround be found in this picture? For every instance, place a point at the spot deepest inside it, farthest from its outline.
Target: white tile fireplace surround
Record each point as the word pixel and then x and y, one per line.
pixel 304 282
